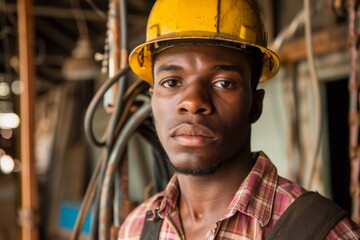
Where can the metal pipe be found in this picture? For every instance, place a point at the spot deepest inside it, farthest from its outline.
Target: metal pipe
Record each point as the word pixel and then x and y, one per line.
pixel 29 199
pixel 353 111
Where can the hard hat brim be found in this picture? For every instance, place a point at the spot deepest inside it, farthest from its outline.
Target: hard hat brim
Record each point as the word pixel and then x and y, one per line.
pixel 140 59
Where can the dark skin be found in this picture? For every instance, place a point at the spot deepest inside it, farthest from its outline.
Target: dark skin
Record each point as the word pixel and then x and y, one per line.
pixel 203 106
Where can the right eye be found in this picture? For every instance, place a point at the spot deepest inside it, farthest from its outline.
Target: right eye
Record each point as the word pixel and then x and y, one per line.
pixel 171 83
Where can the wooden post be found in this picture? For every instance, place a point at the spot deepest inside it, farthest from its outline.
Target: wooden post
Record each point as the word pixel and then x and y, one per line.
pixel 268 7
pixel 29 211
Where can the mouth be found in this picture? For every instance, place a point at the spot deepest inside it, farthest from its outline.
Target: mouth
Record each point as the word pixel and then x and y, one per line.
pixel 192 135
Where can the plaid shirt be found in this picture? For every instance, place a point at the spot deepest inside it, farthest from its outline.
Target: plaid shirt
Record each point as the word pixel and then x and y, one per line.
pixel 257 205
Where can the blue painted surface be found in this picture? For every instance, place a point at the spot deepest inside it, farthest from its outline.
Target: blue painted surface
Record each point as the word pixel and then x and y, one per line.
pixel 68 215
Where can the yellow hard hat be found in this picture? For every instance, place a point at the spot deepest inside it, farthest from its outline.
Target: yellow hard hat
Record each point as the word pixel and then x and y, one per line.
pixel 233 21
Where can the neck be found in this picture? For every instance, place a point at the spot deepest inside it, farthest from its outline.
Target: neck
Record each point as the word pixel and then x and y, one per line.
pixel 206 198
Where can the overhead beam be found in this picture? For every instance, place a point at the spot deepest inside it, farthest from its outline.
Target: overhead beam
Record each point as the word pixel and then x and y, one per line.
pixel 58 12
pixel 328 40
pixel 55 35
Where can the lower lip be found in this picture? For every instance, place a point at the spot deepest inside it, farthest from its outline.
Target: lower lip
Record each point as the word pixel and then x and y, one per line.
pixel 193 141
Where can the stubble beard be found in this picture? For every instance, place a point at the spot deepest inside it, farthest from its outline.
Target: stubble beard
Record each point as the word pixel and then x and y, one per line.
pixel 193 172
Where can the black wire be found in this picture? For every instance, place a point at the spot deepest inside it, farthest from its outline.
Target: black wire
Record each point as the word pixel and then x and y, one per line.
pixel 121 117
pixel 162 172
pixel 129 129
pixel 97 177
pixel 122 83
pixel 95 102
pixel 118 112
pixel 129 99
pixel 111 136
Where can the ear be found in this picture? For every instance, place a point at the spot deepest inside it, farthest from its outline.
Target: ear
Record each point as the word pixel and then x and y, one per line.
pixel 257 105
pixel 151 91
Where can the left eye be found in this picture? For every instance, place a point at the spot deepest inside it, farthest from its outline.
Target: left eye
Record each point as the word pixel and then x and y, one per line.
pixel 224 84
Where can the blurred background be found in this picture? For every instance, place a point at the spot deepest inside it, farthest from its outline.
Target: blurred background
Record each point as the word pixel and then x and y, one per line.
pixel 77 146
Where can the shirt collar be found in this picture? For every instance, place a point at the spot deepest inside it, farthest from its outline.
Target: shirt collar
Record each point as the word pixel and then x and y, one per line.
pixel 255 196
pixel 166 201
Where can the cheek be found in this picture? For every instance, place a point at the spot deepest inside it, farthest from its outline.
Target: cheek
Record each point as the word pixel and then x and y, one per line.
pixel 159 107
pixel 235 109
pixel 160 113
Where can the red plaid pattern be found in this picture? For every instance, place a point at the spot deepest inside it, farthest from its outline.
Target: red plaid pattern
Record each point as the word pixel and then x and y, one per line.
pixel 257 205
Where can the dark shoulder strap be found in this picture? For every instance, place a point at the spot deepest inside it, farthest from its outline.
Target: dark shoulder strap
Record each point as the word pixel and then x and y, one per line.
pixel 310 216
pixel 152 226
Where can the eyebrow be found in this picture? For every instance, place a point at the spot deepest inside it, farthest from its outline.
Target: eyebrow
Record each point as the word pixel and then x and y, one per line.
pixel 227 68
pixel 220 67
pixel 168 68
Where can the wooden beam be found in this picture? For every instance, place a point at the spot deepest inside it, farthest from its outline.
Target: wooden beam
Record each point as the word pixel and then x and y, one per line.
pixel 29 196
pixel 268 7
pixel 325 41
pixel 60 12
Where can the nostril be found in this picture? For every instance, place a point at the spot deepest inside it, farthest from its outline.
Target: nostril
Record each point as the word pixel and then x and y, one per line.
pixel 183 110
pixel 202 110
pixel 195 107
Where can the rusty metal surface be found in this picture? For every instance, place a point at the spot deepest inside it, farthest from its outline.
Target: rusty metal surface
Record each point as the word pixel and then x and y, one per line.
pixel 354 150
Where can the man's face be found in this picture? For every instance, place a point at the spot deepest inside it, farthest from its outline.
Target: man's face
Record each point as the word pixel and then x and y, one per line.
pixel 203 106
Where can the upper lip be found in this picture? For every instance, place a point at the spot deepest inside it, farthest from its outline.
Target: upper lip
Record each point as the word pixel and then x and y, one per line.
pixel 192 129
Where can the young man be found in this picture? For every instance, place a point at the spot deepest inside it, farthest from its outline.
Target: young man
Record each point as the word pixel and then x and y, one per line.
pixel 204 59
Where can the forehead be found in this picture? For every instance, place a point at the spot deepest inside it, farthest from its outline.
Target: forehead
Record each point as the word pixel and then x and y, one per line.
pixel 203 53
pixel 201 61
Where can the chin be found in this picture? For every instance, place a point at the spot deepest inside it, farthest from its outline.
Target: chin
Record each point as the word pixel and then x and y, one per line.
pixel 194 171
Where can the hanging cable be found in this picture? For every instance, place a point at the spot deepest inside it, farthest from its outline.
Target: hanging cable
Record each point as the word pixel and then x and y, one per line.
pixel 122 84
pixel 131 112
pixel 118 149
pixel 96 9
pixel 289 31
pixel 100 167
pixel 99 171
pixel 94 104
pixel 316 88
pixel 118 54
pixel 304 18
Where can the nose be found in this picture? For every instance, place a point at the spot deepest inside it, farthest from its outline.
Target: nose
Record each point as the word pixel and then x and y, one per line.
pixel 195 99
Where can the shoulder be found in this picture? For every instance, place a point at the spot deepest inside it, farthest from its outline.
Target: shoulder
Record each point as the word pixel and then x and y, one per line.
pixel 286 192
pixel 288 188
pixel 345 229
